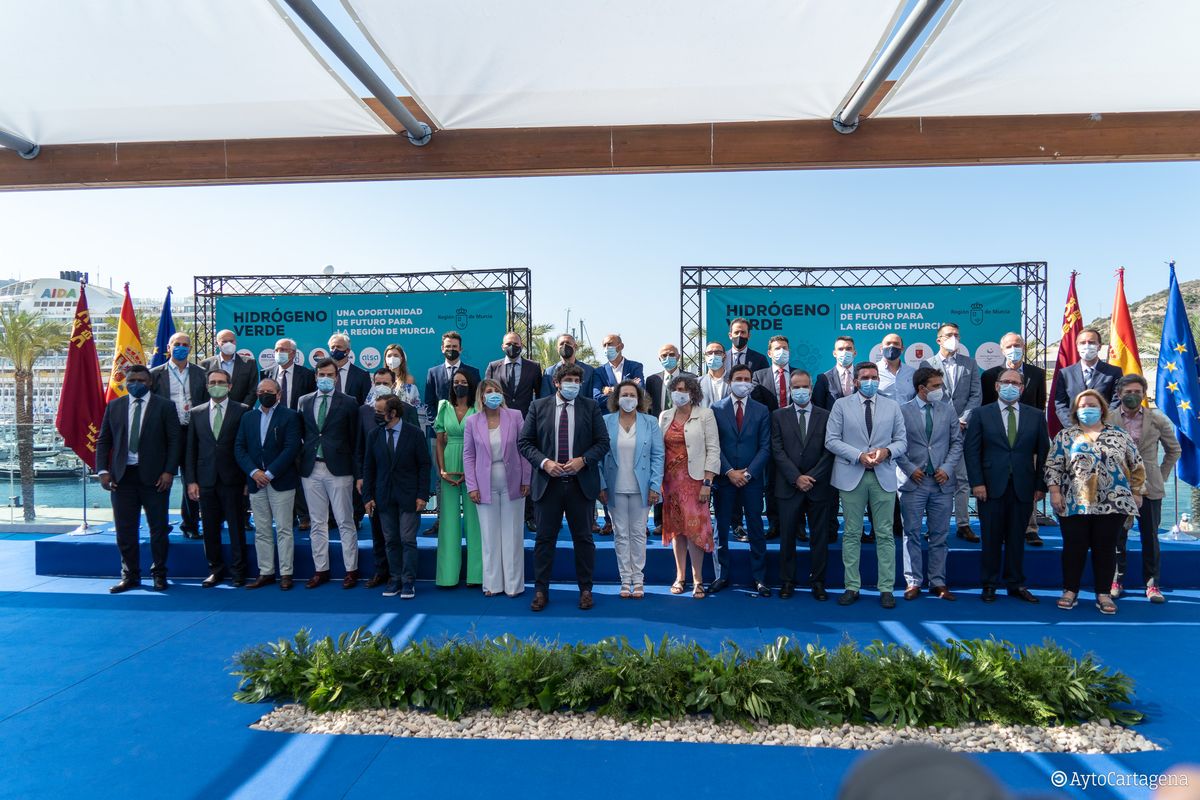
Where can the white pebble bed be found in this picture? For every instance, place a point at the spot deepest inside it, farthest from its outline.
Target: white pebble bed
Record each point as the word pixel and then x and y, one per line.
pixel 1091 737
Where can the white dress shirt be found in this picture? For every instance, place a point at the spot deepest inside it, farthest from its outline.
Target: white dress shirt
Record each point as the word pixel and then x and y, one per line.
pixel 181 395
pixel 618 370
pixel 516 362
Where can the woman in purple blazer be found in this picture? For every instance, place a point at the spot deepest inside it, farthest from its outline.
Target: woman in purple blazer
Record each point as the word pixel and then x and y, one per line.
pixel 498 482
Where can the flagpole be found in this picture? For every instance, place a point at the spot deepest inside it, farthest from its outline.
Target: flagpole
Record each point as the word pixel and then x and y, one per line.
pixel 84 529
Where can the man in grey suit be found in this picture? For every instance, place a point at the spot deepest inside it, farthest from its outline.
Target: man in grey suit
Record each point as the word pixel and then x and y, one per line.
pixel 866 434
pixel 714 384
pixel 926 474
pixel 964 389
pixel 1089 372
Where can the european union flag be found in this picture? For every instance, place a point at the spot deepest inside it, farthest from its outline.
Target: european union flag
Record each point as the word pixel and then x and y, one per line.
pixel 1179 382
pixel 166 329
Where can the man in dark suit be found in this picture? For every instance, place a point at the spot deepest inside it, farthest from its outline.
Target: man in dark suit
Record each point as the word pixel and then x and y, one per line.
pixel 802 487
pixel 838 382
pixel 771 388
pixel 739 351
pixel 744 428
pixel 395 487
pixel 242 370
pixel 1089 372
pixel 520 377
pixel 137 456
pixel 565 439
pixel 351 379
pixel 616 368
pixel 183 384
pixel 658 384
pixel 330 463
pixel 215 480
pixel 295 380
pixel 372 415
pixel 568 351
pixel 1005 450
pixel 267 448
pixel 1013 347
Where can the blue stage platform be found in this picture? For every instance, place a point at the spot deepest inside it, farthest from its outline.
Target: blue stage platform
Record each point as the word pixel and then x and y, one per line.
pixel 95 555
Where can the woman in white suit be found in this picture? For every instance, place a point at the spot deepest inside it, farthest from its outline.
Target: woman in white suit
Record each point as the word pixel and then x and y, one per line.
pixel 631 479
pixel 692 457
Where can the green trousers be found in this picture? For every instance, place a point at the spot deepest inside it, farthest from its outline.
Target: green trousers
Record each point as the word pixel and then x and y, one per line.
pixel 883 505
pixel 453 507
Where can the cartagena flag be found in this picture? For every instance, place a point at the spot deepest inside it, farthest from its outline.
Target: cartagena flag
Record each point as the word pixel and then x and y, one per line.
pixel 128 350
pixel 1122 343
pixel 81 406
pixel 1068 351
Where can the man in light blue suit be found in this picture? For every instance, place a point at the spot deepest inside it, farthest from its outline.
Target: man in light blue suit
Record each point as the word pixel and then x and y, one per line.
pixel 927 483
pixel 744 428
pixel 866 434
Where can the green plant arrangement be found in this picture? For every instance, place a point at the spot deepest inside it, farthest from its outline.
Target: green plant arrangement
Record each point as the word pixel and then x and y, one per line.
pixel 976 680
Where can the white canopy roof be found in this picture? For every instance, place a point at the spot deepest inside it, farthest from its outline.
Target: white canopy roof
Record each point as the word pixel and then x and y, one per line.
pixel 532 63
pixel 76 71
pixel 998 57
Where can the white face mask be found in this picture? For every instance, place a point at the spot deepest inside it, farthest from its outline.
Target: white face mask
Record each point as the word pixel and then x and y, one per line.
pixel 935 395
pixel 627 404
pixel 1089 351
pixel 681 398
pixel 383 390
pixel 950 344
pixel 228 348
pixel 741 388
pixel 394 362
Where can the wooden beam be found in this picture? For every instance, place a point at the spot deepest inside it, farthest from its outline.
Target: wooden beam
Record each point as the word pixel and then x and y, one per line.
pixel 930 141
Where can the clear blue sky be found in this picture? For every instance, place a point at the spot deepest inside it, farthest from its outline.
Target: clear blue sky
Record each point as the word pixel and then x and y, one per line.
pixel 610 248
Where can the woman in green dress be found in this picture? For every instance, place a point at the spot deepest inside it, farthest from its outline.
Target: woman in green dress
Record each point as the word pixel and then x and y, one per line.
pixel 455 509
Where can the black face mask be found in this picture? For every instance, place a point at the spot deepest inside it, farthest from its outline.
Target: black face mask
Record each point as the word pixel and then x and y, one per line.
pixel 512 350
pixel 267 400
pixel 379 418
pixel 739 342
pixel 566 351
pixel 451 355
pixel 460 390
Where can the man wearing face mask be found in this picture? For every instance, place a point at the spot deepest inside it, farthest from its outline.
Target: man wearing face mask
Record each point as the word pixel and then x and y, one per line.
pixel 771 388
pixel 215 480
pixel 520 377
pixel 964 390
pixel 895 377
pixel 1089 372
pixel 565 439
pixel 839 381
pixel 568 350
pixel 802 471
pixel 866 435
pixel 295 380
pixel 242 370
pixel 739 350
pixel 351 379
pixel 714 385
pixel 926 474
pixel 616 368
pixel 183 384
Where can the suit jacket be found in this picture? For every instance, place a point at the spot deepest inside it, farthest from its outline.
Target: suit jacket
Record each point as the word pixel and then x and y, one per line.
pixel 943 448
pixel 1035 385
pixel 701 439
pixel 1104 381
pixel 587 386
pixel 302 381
pixel 160 441
pixel 1156 430
pixel 990 459
pixel 766 387
pixel 358 383
pixel 708 392
pixel 160 384
pixel 477 455
pixel 964 377
pixel 367 421
pixel 795 457
pixel 827 389
pixel 846 436
pixel 243 384
pixel 749 448
pixel 654 387
pixel 275 454
pixel 529 385
pixel 211 459
pixel 539 441
pixel 437 386
pixel 754 359
pixel 605 377
pixel 647 457
pixel 396 477
pixel 340 439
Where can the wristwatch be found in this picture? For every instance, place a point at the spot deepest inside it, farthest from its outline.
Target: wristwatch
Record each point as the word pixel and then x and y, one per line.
pixel 707 482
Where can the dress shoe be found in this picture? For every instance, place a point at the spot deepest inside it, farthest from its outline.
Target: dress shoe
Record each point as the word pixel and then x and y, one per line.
pixel 211 581
pixel 867 538
pixel 188 533
pixel 887 599
pixel 125 585
pixel 304 524
pixel 802 536
pixel 432 530
pixel 763 590
pixel 718 585
pixel 989 594
pixel 351 579
pixel 607 529
pixel 943 592
pixel 239 581
pixel 285 583
pixel 819 593
pixel 585 600
pixel 1032 539
pixel 848 598
pixel 539 601
pixel 261 581
pixel 912 593
pixel 739 533
pixel 317 579
pixel 771 533
pixel 966 534
pixel 1023 594
pixel 787 590
pixel 160 583
pixel 377 580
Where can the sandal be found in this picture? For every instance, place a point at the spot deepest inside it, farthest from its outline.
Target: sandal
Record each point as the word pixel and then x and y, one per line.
pixel 1068 600
pixel 625 591
pixel 1105 604
pixel 639 592
pixel 698 591
pixel 677 587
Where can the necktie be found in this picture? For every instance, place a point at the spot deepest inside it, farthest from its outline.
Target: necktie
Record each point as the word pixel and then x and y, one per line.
pixel 391 444
pixel 283 388
pixel 1087 377
pixel 450 376
pixel 218 418
pixel 846 392
pixel 321 421
pixel 869 417
pixel 564 438
pixel 929 436
pixel 341 381
pixel 739 416
pixel 801 421
pixel 666 403
pixel 783 392
pixel 1012 427
pixel 512 379
pixel 135 428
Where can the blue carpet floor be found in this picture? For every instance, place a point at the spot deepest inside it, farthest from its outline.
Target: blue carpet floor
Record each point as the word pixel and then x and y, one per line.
pixel 111 696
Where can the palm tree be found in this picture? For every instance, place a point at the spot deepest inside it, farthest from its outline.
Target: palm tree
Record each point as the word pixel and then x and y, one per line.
pixel 24 338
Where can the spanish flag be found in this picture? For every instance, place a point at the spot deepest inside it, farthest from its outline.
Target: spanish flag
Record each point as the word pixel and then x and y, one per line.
pixel 128 350
pixel 1122 343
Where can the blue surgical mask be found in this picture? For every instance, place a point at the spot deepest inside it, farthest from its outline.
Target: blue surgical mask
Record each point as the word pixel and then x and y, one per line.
pixel 891 353
pixel 325 384
pixel 868 388
pixel 493 399
pixel 801 396
pixel 845 358
pixel 669 363
pixel 569 391
pixel 180 352
pixel 1089 415
pixel 741 388
pixel 1009 393
pixel 715 362
pixel 137 389
pixel 1014 355
pixel 780 357
pixel 610 353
